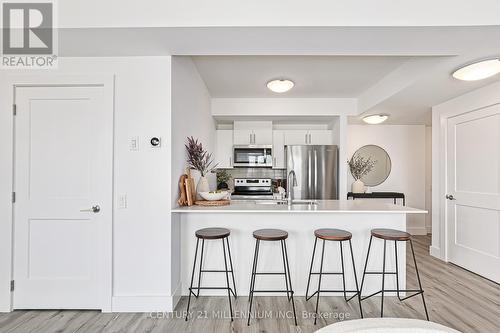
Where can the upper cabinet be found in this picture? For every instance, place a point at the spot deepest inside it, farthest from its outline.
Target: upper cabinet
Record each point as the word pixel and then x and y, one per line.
pixel 253 133
pixel 278 149
pixel 308 137
pixel 224 149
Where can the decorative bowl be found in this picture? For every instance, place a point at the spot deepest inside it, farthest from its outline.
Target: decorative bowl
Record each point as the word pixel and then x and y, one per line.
pixel 213 196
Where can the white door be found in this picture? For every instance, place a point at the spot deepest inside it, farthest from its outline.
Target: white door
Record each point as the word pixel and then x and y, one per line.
pixel 473 211
pixel 63 168
pixel 224 149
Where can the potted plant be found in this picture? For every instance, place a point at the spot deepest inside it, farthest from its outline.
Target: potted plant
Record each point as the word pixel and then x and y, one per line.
pixel 201 160
pixel 222 178
pixel 360 167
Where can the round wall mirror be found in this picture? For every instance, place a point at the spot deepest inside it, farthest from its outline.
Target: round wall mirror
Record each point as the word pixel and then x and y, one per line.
pixel 381 168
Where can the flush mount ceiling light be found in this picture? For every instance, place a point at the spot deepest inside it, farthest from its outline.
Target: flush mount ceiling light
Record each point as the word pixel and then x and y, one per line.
pixel 375 119
pixel 280 85
pixel 478 70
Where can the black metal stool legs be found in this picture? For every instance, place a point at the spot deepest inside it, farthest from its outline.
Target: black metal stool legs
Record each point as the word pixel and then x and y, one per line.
pixel 418 279
pixel 321 273
pixel 286 273
pixel 226 270
pixel 414 292
pixel 227 280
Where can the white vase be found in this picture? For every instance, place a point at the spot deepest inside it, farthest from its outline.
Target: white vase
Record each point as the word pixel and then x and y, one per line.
pixel 358 187
pixel 202 185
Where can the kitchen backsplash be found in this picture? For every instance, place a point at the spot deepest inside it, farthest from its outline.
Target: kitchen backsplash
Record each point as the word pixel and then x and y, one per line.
pixel 255 173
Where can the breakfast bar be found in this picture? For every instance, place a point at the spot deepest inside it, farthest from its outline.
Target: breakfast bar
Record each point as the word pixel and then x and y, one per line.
pixel 300 220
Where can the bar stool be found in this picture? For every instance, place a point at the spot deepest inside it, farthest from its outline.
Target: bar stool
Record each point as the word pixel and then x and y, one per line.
pixel 396 236
pixel 212 234
pixel 271 235
pixel 340 236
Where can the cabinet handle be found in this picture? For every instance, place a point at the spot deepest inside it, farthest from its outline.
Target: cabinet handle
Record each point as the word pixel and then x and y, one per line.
pixel 230 161
pixel 275 162
pixel 306 138
pixel 310 140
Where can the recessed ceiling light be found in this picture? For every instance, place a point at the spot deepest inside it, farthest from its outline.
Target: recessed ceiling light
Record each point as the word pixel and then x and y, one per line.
pixel 280 86
pixel 478 70
pixel 375 119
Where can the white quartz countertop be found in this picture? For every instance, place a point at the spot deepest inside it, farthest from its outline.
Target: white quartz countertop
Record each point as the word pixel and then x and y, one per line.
pixel 322 206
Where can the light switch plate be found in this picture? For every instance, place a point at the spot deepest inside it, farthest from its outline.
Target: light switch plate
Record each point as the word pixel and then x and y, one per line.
pixel 134 143
pixel 122 201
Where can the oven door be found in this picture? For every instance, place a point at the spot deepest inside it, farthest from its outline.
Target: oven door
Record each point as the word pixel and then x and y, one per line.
pixel 252 156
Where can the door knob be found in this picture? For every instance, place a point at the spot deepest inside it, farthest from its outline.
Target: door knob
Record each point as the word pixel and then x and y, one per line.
pixel 94 209
pixel 450 197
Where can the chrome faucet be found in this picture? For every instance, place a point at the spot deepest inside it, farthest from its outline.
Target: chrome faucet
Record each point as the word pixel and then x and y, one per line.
pixel 289 186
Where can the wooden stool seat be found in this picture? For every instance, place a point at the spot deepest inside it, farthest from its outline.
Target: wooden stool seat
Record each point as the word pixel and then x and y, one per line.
pixel 212 233
pixel 333 234
pixel 391 234
pixel 270 234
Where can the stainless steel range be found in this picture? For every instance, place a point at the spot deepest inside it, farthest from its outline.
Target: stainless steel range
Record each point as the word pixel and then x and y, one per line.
pixel 252 189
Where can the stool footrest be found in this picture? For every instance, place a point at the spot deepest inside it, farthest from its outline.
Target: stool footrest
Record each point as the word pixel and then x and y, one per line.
pixel 269 273
pixel 327 273
pixel 380 273
pixel 272 291
pixel 214 271
pixel 417 292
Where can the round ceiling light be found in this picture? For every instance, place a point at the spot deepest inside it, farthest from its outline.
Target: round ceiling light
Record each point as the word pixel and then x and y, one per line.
pixel 375 119
pixel 280 86
pixel 478 71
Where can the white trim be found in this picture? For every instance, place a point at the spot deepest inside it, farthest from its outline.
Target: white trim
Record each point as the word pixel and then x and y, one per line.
pixel 435 252
pixel 176 296
pixel 6 218
pixel 143 303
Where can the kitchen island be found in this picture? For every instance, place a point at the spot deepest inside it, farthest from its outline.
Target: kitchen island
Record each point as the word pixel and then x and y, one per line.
pixel 299 220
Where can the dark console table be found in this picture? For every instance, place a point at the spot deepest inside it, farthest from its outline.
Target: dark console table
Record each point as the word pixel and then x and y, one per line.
pixel 378 195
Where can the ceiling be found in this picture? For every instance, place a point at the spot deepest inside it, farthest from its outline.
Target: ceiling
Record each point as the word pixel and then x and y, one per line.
pixel 403 71
pixel 314 76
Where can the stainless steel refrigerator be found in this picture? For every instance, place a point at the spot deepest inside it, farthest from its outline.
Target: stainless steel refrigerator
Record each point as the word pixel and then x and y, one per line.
pixel 316 169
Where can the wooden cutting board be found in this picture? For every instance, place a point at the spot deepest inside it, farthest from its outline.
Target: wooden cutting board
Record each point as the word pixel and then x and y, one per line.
pixel 182 191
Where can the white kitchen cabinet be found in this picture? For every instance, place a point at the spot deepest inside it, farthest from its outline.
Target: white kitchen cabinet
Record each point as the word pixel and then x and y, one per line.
pixel 320 137
pixel 262 136
pixel 296 137
pixel 243 137
pixel 308 137
pixel 278 149
pixel 253 133
pixel 224 149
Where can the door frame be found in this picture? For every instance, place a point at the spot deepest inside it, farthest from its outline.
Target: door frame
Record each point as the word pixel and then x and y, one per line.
pixel 7 149
pixel 476 100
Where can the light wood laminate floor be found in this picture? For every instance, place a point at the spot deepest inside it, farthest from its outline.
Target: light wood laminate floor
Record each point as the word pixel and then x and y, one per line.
pixel 455 298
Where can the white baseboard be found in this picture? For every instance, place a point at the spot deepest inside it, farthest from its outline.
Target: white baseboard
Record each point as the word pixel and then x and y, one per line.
pixel 435 252
pixel 143 303
pixel 417 231
pixel 176 296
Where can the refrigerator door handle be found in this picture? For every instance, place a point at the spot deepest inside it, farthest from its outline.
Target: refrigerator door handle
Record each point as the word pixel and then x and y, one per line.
pixel 309 175
pixel 315 174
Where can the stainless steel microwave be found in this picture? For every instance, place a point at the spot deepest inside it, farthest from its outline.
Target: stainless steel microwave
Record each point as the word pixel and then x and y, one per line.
pixel 252 156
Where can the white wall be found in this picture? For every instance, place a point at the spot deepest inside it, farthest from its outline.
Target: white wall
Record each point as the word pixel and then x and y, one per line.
pixel 141 232
pixel 474 100
pixel 405 145
pixel 179 13
pixel 191 116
